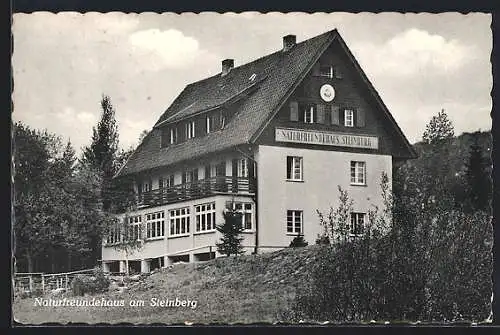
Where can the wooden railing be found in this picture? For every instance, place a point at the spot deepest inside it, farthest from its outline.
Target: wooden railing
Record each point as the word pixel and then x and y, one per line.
pixel 196 190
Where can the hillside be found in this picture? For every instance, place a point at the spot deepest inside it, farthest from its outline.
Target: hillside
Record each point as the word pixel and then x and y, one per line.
pixel 247 289
pixel 459 149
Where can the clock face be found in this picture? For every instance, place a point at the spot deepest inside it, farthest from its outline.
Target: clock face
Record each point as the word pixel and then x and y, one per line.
pixel 327 92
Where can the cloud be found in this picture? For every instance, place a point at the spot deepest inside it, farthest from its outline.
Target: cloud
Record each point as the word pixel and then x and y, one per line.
pixel 159 49
pixel 412 52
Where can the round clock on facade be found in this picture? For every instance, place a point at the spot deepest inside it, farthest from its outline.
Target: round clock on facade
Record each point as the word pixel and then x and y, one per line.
pixel 327 92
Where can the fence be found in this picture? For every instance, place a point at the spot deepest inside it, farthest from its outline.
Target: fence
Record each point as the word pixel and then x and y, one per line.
pixel 37 281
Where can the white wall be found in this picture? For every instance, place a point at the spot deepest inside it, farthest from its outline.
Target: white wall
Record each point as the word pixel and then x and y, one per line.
pixel 167 245
pixel 323 171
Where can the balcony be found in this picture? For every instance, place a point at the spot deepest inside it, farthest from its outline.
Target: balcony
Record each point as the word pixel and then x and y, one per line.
pixel 198 189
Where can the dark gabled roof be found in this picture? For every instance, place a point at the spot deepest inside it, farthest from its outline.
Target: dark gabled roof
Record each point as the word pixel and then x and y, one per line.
pixel 276 76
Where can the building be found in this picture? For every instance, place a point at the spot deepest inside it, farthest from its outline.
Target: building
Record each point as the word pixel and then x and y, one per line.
pixel 274 139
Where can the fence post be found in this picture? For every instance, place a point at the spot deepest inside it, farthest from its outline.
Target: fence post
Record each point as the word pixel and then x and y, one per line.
pixel 66 282
pixel 31 282
pixel 210 253
pixel 43 284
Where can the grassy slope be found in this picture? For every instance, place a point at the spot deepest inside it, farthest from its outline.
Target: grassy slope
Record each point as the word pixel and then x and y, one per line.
pixel 247 289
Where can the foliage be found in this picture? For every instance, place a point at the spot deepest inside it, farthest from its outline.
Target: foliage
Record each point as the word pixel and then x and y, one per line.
pixel 231 230
pixel 84 284
pixel 131 239
pixel 336 226
pixel 434 263
pixel 477 178
pixel 439 128
pixel 298 242
pixel 322 240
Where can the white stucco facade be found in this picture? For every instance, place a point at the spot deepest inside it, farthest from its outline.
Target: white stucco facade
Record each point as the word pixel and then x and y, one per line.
pixel 323 172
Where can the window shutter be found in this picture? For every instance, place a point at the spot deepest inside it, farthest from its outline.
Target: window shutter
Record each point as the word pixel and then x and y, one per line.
pixel 360 117
pixel 320 110
pixel 171 180
pixel 139 188
pixel 216 122
pixel 337 72
pixel 288 167
pixel 183 177
pixel 294 111
pixel 335 115
pixel 221 169
pixel 160 182
pixel 195 175
pixel 251 173
pixel 207 171
pixel 165 137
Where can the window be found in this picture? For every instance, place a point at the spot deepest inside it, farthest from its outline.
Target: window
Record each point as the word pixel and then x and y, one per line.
pixel 179 221
pixel 134 229
pixel 173 135
pixel 146 186
pixel 357 224
pixel 205 217
pixel 294 168
pixel 155 224
pixel 190 176
pixel 243 167
pixel 114 235
pixel 246 210
pixel 210 123
pixel 326 71
pixel 349 118
pixel 190 129
pixel 358 173
pixel 166 182
pixel 222 121
pixel 294 221
pixel 309 114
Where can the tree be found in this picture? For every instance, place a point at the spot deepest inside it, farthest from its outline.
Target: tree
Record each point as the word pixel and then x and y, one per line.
pixel 476 175
pixel 231 230
pixel 438 129
pixel 143 135
pixel 34 192
pixel 101 156
pixel 102 152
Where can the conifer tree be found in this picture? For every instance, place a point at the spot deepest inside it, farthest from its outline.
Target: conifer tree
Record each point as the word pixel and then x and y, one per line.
pixel 231 230
pixel 478 180
pixel 102 152
pixel 438 129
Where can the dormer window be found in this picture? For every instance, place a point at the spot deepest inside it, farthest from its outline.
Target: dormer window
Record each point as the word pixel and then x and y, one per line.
pixel 309 114
pixel 326 71
pixel 209 123
pixel 173 135
pixel 190 129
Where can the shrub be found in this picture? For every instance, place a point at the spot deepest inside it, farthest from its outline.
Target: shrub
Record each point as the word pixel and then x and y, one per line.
pixel 298 242
pixel 83 284
pixel 323 240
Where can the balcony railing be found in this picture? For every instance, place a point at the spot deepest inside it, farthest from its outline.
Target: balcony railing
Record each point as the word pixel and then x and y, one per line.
pixel 198 189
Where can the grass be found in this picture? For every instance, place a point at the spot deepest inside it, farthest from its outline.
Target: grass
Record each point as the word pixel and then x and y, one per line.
pixel 244 289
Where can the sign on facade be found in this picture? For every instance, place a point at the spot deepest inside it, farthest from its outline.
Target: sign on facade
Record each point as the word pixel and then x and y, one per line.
pixel 326 138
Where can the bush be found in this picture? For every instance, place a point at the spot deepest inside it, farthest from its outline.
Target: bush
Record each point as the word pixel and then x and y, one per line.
pixel 323 240
pixel 298 242
pixel 83 284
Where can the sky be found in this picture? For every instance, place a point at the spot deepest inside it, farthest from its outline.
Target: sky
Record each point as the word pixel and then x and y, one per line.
pixel 63 63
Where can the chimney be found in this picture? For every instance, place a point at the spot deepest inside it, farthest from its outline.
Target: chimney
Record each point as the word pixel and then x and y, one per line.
pixel 288 42
pixel 227 65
